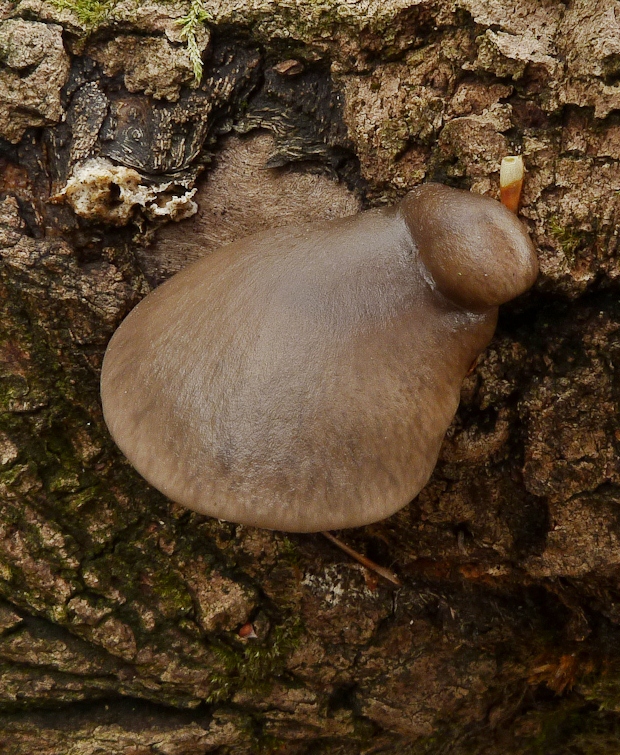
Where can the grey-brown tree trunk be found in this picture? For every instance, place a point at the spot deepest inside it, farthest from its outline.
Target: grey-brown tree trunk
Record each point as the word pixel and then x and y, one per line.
pixel 120 612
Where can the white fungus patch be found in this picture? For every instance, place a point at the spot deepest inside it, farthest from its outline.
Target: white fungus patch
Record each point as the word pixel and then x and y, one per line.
pixel 100 190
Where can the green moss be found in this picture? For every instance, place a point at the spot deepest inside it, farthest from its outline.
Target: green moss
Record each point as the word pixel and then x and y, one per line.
pixel 90 13
pixel 288 551
pixel 143 574
pixel 603 688
pixel 12 474
pixel 64 481
pixel 73 479
pixel 172 592
pixel 294 26
pixel 565 725
pixel 265 744
pixel 255 665
pixel 568 239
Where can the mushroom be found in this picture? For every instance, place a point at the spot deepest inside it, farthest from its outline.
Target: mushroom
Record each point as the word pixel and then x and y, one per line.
pixel 302 379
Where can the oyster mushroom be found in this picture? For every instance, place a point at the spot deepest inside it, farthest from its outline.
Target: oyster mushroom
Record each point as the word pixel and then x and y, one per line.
pixel 303 379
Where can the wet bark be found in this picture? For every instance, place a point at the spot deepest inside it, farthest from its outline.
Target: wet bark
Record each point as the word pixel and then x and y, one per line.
pixel 120 612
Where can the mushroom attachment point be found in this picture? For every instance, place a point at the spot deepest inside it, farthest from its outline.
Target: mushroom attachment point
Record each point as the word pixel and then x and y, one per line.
pixel 303 379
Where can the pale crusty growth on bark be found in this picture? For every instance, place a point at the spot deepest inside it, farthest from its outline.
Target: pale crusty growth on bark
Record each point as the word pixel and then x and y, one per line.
pixel 101 190
pixel 119 626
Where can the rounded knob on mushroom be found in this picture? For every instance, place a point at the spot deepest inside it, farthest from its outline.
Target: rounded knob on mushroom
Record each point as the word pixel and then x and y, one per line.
pixel 474 248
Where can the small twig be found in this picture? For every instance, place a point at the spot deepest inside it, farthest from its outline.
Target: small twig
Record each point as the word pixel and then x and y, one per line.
pixel 385 573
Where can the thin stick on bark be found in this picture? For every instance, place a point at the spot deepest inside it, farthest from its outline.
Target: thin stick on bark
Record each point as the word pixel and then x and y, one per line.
pixel 383 572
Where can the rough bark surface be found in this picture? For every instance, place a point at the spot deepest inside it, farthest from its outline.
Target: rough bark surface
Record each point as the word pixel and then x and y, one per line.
pixel 120 612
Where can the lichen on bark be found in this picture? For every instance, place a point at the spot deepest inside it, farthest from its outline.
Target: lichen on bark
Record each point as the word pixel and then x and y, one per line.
pixel 120 611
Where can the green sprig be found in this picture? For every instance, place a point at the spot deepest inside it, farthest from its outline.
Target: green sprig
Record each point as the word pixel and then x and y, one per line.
pixel 190 24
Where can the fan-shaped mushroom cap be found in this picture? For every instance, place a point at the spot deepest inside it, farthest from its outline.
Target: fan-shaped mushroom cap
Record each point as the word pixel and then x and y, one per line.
pixel 303 379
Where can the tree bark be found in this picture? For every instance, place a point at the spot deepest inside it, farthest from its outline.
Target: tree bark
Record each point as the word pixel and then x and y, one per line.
pixel 120 611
